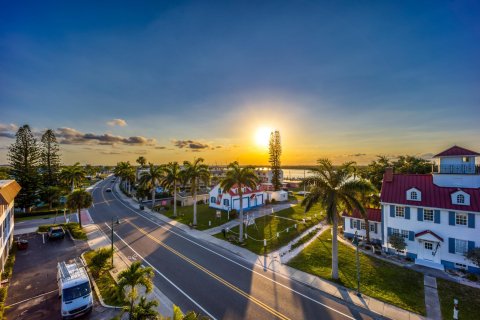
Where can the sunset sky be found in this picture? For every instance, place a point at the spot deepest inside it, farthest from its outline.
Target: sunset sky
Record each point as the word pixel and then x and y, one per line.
pixel 174 80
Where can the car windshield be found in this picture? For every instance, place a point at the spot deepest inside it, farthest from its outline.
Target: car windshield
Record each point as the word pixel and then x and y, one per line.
pixel 76 292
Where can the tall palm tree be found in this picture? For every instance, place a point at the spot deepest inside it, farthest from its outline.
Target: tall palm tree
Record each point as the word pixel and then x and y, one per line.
pixel 78 200
pixel 195 172
pixel 141 161
pixel 151 179
pixel 369 198
pixel 72 175
pixel 239 177
pixel 170 181
pixel 145 310
pixel 133 277
pixel 335 190
pixel 123 170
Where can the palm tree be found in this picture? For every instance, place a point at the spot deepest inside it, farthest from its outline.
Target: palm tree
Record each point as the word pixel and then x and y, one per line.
pixel 145 310
pixel 150 179
pixel 123 170
pixel 78 200
pixel 195 172
pixel 141 161
pixel 369 199
pixel 239 177
pixel 73 175
pixel 132 277
pixel 171 179
pixel 335 190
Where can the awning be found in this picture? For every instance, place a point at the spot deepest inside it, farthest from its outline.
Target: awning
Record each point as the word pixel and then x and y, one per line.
pixel 428 235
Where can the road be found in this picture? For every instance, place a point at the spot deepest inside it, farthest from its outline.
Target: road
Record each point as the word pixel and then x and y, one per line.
pixel 200 276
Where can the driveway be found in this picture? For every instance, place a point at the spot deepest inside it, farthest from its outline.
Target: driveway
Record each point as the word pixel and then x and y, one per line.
pixel 33 291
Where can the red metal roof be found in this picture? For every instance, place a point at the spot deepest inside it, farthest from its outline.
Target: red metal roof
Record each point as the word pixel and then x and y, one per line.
pixel 428 232
pixel 432 195
pixel 247 190
pixel 456 151
pixel 373 214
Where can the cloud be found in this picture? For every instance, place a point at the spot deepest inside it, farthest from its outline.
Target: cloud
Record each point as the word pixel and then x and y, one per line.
pixel 117 122
pixel 160 147
pixel 357 155
pixel 73 136
pixel 8 130
pixel 191 145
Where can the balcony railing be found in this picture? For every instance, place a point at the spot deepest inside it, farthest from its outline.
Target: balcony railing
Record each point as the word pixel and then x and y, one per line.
pixel 459 169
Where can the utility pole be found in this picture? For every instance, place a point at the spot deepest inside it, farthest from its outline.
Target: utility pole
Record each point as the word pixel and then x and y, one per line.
pixel 358 264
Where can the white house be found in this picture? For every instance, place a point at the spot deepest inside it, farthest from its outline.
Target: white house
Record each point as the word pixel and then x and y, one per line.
pixel 229 199
pixel 280 195
pixel 8 191
pixel 438 214
pixel 354 222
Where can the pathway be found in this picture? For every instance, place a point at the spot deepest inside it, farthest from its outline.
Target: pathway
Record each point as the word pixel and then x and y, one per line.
pixel 432 302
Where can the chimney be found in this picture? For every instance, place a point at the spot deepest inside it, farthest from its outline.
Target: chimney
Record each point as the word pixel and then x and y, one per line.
pixel 388 175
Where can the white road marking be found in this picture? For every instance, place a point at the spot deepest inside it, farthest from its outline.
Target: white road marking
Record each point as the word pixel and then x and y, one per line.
pixel 240 265
pixel 162 275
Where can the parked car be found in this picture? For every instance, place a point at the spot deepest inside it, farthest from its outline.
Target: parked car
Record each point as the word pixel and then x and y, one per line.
pixel 56 233
pixel 108 190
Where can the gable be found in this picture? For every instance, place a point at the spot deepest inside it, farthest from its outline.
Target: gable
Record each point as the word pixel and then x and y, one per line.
pixel 413 194
pixel 460 198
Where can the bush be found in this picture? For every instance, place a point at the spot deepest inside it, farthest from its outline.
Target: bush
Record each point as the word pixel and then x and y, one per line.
pixel 233 214
pixel 273 201
pixel 73 227
pixel 99 260
pixel 472 277
pixel 267 202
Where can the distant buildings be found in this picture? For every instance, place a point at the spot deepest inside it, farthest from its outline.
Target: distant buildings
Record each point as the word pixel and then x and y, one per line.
pixel 8 191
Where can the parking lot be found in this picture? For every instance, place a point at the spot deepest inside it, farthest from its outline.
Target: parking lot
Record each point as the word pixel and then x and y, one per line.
pixel 33 291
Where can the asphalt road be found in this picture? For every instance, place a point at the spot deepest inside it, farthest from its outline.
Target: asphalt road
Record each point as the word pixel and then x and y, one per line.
pixel 200 276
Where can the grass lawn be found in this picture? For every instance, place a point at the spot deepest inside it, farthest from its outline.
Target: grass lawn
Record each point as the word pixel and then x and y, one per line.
pixel 468 300
pixel 204 214
pixel 379 279
pixel 268 226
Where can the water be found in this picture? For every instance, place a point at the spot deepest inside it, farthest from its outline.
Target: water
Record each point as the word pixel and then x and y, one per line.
pixel 296 174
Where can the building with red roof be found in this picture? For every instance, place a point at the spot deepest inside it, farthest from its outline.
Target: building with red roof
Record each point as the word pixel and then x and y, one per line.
pixel 437 214
pixel 230 199
pixel 354 222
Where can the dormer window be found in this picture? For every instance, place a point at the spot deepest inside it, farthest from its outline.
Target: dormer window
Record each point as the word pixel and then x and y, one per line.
pixel 460 198
pixel 414 194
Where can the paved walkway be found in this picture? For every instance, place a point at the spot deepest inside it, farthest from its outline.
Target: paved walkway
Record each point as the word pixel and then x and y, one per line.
pixel 272 261
pixel 432 302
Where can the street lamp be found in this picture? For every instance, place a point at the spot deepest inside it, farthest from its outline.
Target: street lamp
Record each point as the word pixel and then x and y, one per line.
pixel 356 241
pixel 116 222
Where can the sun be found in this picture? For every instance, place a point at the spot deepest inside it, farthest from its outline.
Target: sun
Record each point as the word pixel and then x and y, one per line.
pixel 262 137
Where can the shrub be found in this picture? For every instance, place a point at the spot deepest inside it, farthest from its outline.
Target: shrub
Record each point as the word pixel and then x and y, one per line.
pixel 233 214
pixel 472 277
pixel 273 201
pixel 267 202
pixel 99 260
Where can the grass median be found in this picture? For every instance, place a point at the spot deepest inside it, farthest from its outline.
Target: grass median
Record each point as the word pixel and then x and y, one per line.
pixel 468 300
pixel 379 279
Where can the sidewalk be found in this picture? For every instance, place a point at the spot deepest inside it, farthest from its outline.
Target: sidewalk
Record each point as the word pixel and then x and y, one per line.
pixel 97 239
pixel 271 261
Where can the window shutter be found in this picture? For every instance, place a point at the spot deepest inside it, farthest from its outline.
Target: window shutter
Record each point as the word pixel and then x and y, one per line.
pixel 351 223
pixel 376 227
pixel 471 220
pixel 411 235
pixel 420 214
pixel 436 217
pixel 392 211
pixel 389 231
pixel 451 245
pixel 471 245
pixel 407 213
pixel 451 218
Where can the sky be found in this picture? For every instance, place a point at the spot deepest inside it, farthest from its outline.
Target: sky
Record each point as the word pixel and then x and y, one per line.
pixel 178 80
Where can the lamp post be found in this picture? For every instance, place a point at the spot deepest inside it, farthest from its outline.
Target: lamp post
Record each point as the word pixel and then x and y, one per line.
pixel 116 222
pixel 355 241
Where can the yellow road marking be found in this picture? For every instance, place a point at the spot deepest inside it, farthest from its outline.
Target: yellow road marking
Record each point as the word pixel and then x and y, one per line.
pixel 213 275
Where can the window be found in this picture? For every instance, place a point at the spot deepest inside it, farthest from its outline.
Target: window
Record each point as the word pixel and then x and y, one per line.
pixel 372 227
pixel 427 215
pixel 219 191
pixel 354 223
pixel 362 225
pixel 413 195
pixel 460 198
pixel 428 245
pixel 460 266
pixel 466 159
pixel 225 202
pixel 400 212
pixel 213 200
pixel 395 232
pixel 404 234
pixel 460 246
pixel 461 219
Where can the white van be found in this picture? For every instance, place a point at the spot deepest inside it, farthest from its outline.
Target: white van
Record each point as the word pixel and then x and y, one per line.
pixel 74 289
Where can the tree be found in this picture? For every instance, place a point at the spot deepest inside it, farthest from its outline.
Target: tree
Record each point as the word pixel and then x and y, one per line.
pixel 170 181
pixel 50 158
pixel 369 199
pixel 412 164
pixel 51 194
pixel 73 175
pixel 151 179
pixel 132 277
pixel 397 242
pixel 195 172
pixel 24 157
pixel 375 170
pixel 335 190
pixel 141 161
pixel 239 178
pixel 275 151
pixel 474 256
pixel 126 172
pixel 78 200
pixel 145 310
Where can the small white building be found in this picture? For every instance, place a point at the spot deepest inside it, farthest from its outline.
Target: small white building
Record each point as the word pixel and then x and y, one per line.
pixel 438 214
pixel 280 195
pixel 354 222
pixel 8 191
pixel 230 199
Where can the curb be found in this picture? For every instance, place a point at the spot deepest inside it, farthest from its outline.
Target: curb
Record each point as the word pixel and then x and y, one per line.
pixel 95 287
